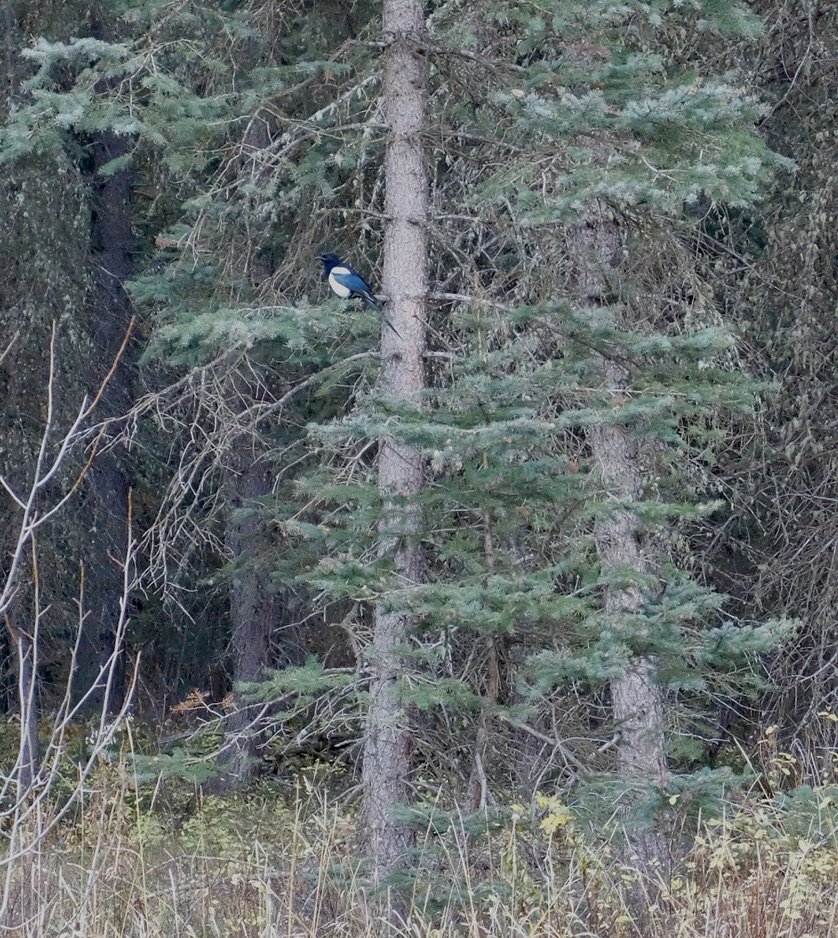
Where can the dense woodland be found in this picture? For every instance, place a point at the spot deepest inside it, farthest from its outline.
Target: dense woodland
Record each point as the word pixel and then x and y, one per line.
pixel 525 581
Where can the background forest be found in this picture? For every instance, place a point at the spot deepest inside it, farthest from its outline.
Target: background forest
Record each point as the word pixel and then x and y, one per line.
pixel 513 613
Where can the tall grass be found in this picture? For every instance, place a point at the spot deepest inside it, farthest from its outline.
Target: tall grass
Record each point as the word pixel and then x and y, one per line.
pixel 267 866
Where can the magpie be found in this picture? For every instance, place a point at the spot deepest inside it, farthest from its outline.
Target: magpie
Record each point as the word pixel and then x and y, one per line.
pixel 347 283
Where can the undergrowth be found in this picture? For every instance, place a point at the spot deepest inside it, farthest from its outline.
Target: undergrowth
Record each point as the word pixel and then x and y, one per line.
pixel 162 860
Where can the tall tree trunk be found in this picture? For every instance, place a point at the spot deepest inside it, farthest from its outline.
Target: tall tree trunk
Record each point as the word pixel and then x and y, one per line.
pixel 256 608
pixel 388 741
pixel 106 504
pixel 477 793
pixel 257 604
pixel 637 699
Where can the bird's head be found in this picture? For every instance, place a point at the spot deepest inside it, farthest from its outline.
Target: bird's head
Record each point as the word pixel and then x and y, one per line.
pixel 329 261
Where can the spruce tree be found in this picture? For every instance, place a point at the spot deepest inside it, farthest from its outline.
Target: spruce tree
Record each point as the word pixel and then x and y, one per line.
pixel 576 370
pixel 578 382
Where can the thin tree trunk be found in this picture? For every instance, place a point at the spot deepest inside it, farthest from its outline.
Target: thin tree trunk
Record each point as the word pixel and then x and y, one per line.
pixel 477 793
pixel 388 742
pixel 637 698
pixel 257 605
pixel 106 506
pixel 256 609
pixel 28 755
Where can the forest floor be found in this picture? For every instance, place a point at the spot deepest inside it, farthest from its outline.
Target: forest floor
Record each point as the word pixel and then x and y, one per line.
pixel 157 860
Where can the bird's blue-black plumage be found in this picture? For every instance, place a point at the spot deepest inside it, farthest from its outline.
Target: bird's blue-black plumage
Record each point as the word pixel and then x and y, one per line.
pixel 347 283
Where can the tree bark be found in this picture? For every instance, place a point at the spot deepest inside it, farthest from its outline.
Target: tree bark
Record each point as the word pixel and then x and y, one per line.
pixel 257 605
pixel 388 741
pixel 256 609
pixel 107 484
pixel 637 699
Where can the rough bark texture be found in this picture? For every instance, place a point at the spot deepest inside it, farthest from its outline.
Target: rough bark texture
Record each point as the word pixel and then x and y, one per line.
pixel 637 699
pixel 255 609
pixel 106 492
pixel 388 741
pixel 257 605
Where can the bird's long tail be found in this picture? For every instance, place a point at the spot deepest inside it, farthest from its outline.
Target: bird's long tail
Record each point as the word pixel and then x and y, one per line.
pixel 391 326
pixel 372 303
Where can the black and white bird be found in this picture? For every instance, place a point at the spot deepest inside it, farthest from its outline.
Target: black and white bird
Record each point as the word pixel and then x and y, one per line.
pixel 347 283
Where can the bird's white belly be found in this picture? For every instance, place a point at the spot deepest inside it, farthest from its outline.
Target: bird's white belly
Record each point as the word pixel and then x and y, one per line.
pixel 338 288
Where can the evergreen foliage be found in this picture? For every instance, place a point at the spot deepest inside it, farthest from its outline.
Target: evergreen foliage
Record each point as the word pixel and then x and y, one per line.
pixel 256 141
pixel 585 114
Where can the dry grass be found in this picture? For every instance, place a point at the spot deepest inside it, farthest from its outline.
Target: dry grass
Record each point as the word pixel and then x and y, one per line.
pixel 266 866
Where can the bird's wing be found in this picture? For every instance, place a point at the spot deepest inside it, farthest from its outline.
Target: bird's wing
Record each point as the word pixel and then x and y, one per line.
pixel 346 282
pixel 351 280
pixel 369 299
